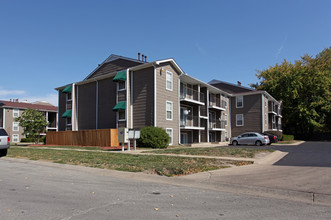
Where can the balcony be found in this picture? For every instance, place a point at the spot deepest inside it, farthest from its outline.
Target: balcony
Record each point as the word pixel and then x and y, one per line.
pixel 190 123
pixel 217 125
pixel 192 96
pixel 216 103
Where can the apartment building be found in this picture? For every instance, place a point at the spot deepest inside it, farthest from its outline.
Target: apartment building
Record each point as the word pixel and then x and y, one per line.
pixel 9 110
pixel 252 110
pixel 134 93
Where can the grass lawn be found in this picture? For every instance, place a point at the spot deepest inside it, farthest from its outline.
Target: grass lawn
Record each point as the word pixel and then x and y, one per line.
pixel 212 151
pixel 67 147
pixel 162 165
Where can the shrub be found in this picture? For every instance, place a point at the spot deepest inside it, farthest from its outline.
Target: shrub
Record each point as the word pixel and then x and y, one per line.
pixel 153 137
pixel 287 137
pixel 27 140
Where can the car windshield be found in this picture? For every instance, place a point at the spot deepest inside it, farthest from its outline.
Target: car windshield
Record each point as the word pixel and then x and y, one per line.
pixel 3 132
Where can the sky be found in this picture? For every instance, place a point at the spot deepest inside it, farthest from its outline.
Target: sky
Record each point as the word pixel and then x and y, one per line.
pixel 48 44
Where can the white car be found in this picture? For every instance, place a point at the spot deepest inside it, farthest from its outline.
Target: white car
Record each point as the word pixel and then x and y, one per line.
pixel 4 142
pixel 250 138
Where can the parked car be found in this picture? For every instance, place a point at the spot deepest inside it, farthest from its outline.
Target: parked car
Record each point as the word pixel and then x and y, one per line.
pixel 272 138
pixel 251 138
pixel 4 142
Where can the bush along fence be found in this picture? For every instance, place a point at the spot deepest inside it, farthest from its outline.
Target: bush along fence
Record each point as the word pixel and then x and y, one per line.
pixel 100 137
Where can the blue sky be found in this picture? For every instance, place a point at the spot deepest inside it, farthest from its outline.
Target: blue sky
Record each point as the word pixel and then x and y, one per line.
pixel 47 44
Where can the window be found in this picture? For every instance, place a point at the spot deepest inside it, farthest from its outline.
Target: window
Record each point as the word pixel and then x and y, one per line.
pixel 15 138
pixel 226 102
pixel 121 115
pixel 15 112
pixel 226 119
pixel 169 80
pixel 16 126
pixel 169 132
pixel 68 96
pixel 240 120
pixel 169 110
pixel 239 101
pixel 121 85
pixel 265 119
pixel 226 135
pixel 68 121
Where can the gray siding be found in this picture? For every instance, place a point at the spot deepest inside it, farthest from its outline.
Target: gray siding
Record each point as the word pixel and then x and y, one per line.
pixel 143 98
pixel 87 106
pixel 106 103
pixel 251 112
pixel 163 95
pixel 62 109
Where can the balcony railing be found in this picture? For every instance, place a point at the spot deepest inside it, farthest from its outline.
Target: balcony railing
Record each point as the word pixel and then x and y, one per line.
pixel 189 121
pixel 216 102
pixel 187 93
pixel 217 124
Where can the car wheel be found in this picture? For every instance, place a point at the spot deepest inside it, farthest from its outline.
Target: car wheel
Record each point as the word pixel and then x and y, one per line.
pixel 3 152
pixel 258 143
pixel 234 143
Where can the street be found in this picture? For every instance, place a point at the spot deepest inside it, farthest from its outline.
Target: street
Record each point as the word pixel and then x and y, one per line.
pixel 43 190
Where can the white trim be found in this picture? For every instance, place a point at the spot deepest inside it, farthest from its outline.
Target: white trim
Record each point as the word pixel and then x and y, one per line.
pixel 155 99
pixel 242 117
pixel 118 115
pixel 172 135
pixel 263 106
pixel 178 109
pixel 4 118
pixel 16 124
pixel 16 110
pixel 171 80
pixel 77 107
pixel 242 101
pixel 118 88
pixel 172 108
pixel 127 101
pixel 226 116
pixel 207 109
pixel 18 138
pixel 131 98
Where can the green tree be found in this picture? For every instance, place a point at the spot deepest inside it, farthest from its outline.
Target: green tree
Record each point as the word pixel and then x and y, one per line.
pixel 33 123
pixel 305 89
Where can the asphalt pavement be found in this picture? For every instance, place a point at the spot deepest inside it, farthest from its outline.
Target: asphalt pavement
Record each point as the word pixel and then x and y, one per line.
pixel 43 190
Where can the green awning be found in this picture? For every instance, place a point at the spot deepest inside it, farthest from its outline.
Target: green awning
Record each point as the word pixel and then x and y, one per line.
pixel 67 89
pixel 120 76
pixel 120 106
pixel 67 114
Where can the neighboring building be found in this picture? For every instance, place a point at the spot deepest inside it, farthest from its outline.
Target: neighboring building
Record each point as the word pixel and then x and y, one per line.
pixel 133 93
pixel 9 110
pixel 252 110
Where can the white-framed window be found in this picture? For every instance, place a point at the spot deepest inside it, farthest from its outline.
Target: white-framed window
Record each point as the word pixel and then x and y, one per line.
pixel 69 96
pixel 239 120
pixel 15 112
pixel 169 110
pixel 169 132
pixel 121 115
pixel 239 101
pixel 121 85
pixel 68 121
pixel 169 80
pixel 226 135
pixel 16 126
pixel 226 102
pixel 15 138
pixel 265 119
pixel 226 119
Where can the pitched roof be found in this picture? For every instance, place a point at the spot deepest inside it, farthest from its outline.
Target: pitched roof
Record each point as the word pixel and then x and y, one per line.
pixel 229 87
pixel 114 63
pixel 24 105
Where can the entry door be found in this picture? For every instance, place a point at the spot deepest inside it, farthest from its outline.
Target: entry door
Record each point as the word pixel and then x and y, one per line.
pixel 183 138
pixel 183 117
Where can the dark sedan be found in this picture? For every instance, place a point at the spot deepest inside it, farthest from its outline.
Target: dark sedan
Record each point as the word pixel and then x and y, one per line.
pixel 272 138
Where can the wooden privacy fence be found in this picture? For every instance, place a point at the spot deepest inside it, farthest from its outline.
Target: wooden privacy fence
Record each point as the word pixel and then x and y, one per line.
pixel 100 137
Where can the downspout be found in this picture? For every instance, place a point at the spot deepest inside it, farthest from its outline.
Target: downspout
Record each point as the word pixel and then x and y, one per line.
pixel 131 98
pixel 155 96
pixel 127 98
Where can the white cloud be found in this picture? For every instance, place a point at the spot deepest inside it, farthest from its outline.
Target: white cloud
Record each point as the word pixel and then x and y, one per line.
pixel 4 92
pixel 51 98
pixel 281 47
